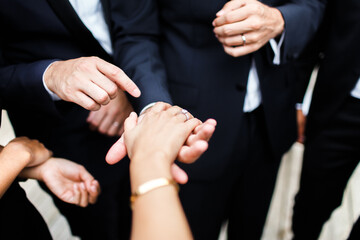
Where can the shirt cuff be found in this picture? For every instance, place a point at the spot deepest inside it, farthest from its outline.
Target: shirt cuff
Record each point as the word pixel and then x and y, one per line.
pixel 276 47
pixel 53 95
pixel 147 107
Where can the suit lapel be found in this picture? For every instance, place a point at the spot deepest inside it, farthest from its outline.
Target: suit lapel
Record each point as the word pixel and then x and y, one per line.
pixel 73 23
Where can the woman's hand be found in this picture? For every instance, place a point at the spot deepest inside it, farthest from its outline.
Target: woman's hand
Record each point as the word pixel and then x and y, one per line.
pixel 33 152
pixel 69 181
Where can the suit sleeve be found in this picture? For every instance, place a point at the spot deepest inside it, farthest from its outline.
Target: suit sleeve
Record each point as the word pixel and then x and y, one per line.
pixel 21 83
pixel 135 28
pixel 302 21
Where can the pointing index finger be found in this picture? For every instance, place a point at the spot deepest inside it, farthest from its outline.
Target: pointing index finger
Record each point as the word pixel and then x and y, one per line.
pixel 118 76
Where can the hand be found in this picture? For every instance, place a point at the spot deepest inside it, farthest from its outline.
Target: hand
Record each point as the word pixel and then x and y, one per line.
pixel 194 147
pixel 110 118
pixel 251 20
pixel 301 123
pixel 88 81
pixel 69 181
pixel 160 131
pixel 36 153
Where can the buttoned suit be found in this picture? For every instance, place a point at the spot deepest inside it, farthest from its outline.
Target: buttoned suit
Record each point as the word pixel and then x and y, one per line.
pixel 35 34
pixel 333 123
pixel 234 179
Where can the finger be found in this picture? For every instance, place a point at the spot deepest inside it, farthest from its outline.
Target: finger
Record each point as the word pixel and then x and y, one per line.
pixel 107 123
pixel 237 40
pixel 104 83
pixel 121 130
pixel 94 191
pixel 229 6
pixel 96 93
pixel 119 77
pixel 116 152
pixel 189 154
pixel 85 101
pixel 205 132
pixel 83 195
pixel 114 129
pixel 68 197
pixel 233 29
pixel 76 195
pixel 231 16
pixel 179 174
pixel 95 118
pixel 241 51
pixel 130 122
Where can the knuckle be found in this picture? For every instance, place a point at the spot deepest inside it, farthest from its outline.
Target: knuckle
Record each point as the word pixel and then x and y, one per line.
pixel 227 30
pixel 92 106
pixel 103 98
pixel 256 25
pixel 113 90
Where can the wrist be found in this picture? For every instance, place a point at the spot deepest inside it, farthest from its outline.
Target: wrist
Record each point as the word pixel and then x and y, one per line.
pixel 279 22
pixel 148 168
pixel 14 150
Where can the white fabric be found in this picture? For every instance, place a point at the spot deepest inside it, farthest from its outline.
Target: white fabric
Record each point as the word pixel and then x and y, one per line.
pixel 92 15
pixel 253 94
pixel 356 91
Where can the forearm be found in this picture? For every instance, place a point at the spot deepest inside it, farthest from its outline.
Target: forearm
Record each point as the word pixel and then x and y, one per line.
pixel 11 164
pixel 157 214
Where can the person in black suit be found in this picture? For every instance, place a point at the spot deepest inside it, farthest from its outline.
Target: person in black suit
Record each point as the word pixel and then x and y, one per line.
pixel 332 133
pixel 234 179
pixel 50 80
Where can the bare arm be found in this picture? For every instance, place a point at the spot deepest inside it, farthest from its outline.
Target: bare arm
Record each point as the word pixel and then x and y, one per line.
pixel 152 145
pixel 18 154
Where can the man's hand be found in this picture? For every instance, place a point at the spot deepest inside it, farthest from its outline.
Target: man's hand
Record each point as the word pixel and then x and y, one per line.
pixel 301 123
pixel 109 119
pixel 248 20
pixel 88 81
pixel 69 181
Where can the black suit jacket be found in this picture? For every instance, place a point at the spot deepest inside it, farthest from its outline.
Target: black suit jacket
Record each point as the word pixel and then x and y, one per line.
pixel 36 33
pixel 209 83
pixel 340 67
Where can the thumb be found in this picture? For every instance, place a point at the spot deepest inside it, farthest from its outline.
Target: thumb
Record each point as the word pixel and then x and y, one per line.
pixel 179 175
pixel 116 152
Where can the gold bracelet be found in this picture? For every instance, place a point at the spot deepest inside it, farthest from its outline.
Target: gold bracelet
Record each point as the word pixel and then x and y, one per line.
pixel 151 185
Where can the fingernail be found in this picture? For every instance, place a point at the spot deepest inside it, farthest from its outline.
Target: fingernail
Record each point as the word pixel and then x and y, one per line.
pixel 82 185
pixel 213 23
pixel 76 187
pixel 136 92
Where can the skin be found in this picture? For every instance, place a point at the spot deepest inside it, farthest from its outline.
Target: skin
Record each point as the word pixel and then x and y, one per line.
pixel 194 146
pixel 301 123
pixel 256 21
pixel 88 81
pixel 109 119
pixel 153 144
pixel 30 159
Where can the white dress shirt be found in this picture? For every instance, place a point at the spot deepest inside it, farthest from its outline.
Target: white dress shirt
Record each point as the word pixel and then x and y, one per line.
pixel 253 93
pixel 356 91
pixel 91 14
